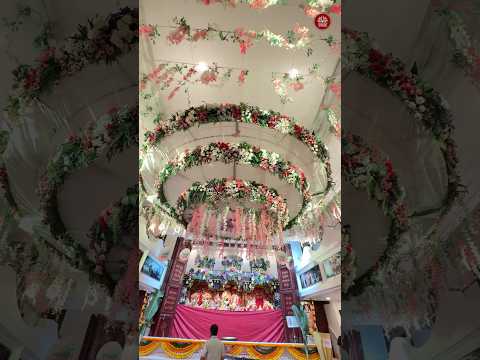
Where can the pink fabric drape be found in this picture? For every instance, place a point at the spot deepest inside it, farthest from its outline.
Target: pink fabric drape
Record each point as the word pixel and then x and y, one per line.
pixel 194 323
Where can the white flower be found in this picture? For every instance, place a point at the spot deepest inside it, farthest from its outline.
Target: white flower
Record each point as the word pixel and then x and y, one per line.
pixel 422 108
pixel 418 116
pixel 411 104
pixel 420 100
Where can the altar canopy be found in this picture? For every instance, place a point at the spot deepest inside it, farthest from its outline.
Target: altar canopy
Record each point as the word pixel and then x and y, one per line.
pixel 261 326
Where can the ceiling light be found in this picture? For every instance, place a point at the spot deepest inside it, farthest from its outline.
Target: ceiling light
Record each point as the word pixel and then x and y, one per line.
pixel 293 73
pixel 201 67
pixel 327 298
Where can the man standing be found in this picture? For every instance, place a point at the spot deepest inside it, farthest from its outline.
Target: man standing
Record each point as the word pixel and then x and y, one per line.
pixel 214 348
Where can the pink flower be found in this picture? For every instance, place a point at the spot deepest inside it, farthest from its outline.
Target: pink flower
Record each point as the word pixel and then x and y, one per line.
pixel 336 89
pixel 31 80
pixel 258 4
pixel 200 35
pixel 208 77
pixel 46 55
pixel 297 86
pixel 277 83
pixel 146 30
pixel 242 76
pixel 239 32
pixel 311 11
pixel 300 30
pixel 336 9
pixel 176 36
pixel 243 47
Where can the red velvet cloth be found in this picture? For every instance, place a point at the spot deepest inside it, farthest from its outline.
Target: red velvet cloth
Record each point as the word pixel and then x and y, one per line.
pixel 194 323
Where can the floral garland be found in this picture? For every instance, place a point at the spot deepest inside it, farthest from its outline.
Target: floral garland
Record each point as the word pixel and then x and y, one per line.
pixel 184 349
pixel 283 82
pixel 423 102
pixel 217 189
pixel 116 221
pixel 364 168
pixel 206 114
pixel 316 216
pixel 469 250
pixel 259 265
pixel 232 263
pixel 297 38
pixel 205 262
pixel 217 279
pixel 102 40
pixel 5 190
pixel 465 55
pixel 112 134
pixel 181 75
pixel 334 122
pixel 312 5
pixel 349 271
pixel 242 153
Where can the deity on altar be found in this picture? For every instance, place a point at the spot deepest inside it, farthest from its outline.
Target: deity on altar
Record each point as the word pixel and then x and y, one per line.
pixel 230 290
pixel 229 300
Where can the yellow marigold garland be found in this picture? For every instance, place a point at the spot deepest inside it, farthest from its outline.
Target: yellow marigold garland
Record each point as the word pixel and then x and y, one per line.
pixel 144 350
pixel 235 350
pixel 274 355
pixel 299 354
pixel 183 352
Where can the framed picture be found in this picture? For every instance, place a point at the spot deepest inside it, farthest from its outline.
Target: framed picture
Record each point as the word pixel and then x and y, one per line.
pixel 310 277
pixel 154 268
pixel 333 265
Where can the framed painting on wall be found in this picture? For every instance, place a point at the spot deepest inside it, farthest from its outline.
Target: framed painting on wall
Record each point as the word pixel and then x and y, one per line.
pixel 333 265
pixel 311 277
pixel 154 268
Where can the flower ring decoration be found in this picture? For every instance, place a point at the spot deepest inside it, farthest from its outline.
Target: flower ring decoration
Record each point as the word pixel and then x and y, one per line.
pixel 465 55
pixel 242 153
pixel 422 101
pixel 348 257
pixel 243 113
pixel 114 222
pixel 365 169
pixel 101 40
pixel 110 135
pixel 216 190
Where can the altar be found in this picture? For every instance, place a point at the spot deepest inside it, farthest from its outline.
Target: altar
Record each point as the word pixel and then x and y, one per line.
pixel 157 348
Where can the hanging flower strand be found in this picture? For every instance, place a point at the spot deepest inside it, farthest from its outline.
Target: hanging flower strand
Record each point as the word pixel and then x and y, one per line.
pixel 297 38
pixel 175 76
pixel 283 82
pixel 320 5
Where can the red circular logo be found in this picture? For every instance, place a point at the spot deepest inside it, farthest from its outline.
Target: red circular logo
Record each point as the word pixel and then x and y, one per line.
pixel 322 21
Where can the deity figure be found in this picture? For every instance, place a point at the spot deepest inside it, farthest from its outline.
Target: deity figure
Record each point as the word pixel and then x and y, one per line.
pixel 235 302
pixel 207 300
pixel 217 300
pixel 267 305
pixel 196 299
pixel 259 302
pixel 226 299
pixel 250 303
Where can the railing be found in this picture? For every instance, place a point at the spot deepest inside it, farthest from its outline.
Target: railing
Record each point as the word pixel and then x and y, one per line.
pixel 160 347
